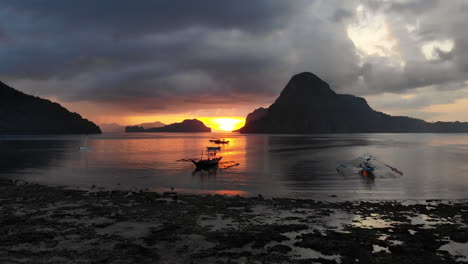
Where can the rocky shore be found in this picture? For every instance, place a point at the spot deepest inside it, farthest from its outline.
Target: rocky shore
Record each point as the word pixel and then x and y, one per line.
pixel 40 224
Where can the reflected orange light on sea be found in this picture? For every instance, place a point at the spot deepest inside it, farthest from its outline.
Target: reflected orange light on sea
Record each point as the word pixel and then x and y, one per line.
pixel 206 192
pixel 217 124
pixel 231 192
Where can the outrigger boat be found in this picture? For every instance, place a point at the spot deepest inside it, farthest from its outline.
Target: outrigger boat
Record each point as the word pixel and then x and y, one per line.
pixel 213 148
pixel 221 141
pixel 206 163
pixel 367 169
pixel 85 145
pixel 364 166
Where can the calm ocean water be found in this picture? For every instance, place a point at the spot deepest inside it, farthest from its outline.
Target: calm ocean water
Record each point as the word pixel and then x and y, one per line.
pixel 435 166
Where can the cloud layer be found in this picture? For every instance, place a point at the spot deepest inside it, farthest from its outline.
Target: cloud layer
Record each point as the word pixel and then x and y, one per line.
pixel 171 56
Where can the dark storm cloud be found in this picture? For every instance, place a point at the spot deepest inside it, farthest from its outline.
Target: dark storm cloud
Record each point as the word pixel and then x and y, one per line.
pixel 165 55
pixel 341 14
pixel 399 7
pixel 386 78
pixel 460 53
pixel 79 34
pixel 434 94
pixel 123 17
pixel 416 25
pixel 105 50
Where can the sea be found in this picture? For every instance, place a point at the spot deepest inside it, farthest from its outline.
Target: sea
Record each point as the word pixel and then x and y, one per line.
pixel 434 166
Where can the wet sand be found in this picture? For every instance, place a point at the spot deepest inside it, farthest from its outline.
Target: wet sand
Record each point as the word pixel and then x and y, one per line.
pixel 40 224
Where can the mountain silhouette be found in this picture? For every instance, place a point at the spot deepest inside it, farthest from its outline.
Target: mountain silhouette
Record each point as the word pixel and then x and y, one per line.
pixel 26 114
pixel 112 128
pixel 151 125
pixel 116 128
pixel 308 105
pixel 188 125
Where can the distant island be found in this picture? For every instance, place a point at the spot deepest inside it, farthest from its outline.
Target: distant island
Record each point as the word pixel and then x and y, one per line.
pixel 308 105
pixel 188 125
pixel 26 114
pixel 116 128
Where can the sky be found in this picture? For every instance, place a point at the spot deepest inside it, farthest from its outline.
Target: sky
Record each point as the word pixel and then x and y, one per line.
pixel 129 62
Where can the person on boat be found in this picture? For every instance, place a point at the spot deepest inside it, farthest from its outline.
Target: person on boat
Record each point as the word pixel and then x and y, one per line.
pixel 367 168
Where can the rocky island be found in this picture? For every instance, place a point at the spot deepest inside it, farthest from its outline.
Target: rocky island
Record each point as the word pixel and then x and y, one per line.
pixel 26 114
pixel 188 125
pixel 116 128
pixel 308 105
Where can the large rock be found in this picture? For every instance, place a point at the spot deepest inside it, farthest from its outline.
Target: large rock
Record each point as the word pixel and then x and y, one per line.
pixel 257 114
pixel 308 105
pixel 188 125
pixel 130 129
pixel 116 128
pixel 151 125
pixel 25 114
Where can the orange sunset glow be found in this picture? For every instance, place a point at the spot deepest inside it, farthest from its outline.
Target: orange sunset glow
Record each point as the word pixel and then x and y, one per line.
pixel 217 124
pixel 223 123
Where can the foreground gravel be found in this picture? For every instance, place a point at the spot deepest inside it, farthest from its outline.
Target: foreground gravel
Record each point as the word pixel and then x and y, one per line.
pixel 40 224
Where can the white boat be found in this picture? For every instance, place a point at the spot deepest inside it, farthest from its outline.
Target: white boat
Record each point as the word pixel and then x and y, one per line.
pixel 85 145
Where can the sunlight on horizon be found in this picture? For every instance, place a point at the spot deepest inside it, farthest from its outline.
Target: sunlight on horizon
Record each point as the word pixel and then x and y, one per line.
pixel 223 123
pixel 217 124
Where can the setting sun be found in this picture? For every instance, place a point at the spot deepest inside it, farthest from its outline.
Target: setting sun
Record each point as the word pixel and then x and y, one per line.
pixel 224 123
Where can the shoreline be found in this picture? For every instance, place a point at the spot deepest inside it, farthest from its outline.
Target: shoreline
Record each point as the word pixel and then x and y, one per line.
pixel 42 224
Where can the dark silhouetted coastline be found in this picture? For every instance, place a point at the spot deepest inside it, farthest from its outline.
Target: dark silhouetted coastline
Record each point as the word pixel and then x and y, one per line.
pixel 188 125
pixel 26 114
pixel 308 105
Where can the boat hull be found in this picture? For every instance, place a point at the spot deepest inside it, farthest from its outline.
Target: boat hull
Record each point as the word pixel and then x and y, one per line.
pixel 207 163
pixel 213 148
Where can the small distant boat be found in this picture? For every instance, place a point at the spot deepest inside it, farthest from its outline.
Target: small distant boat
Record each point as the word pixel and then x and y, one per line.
pixel 221 141
pixel 206 163
pixel 214 139
pixel 365 167
pixel 85 145
pixel 213 148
